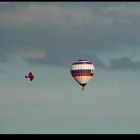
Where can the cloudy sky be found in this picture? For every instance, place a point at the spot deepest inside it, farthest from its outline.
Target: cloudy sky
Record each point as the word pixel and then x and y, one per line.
pixel 46 38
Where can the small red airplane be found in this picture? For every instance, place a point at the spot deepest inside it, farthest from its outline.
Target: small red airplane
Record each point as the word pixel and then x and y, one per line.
pixel 30 76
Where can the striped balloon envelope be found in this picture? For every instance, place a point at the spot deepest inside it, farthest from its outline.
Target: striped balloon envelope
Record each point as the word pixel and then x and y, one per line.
pixel 82 71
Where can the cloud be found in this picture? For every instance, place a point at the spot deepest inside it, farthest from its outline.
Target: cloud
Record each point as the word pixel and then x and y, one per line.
pixel 58 34
pixel 32 54
pixel 4 3
pixel 124 64
pixel 45 16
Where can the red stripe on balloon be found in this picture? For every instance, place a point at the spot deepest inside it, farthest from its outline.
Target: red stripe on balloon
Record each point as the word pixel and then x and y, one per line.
pixel 76 63
pixel 82 74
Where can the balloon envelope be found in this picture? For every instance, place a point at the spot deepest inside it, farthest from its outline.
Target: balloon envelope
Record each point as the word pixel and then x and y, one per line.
pixel 82 71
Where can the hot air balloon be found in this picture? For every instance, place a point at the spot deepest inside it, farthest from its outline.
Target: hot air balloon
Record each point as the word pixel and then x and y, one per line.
pixel 82 71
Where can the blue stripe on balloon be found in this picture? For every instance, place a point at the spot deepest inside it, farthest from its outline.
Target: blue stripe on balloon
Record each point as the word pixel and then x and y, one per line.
pixel 81 71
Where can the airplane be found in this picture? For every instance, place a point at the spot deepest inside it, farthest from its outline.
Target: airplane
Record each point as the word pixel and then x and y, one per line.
pixel 30 76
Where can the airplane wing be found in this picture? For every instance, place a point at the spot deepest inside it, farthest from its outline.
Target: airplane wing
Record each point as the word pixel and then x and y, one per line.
pixel 30 74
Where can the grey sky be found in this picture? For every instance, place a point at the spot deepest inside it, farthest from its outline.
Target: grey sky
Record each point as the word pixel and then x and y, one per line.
pixel 46 38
